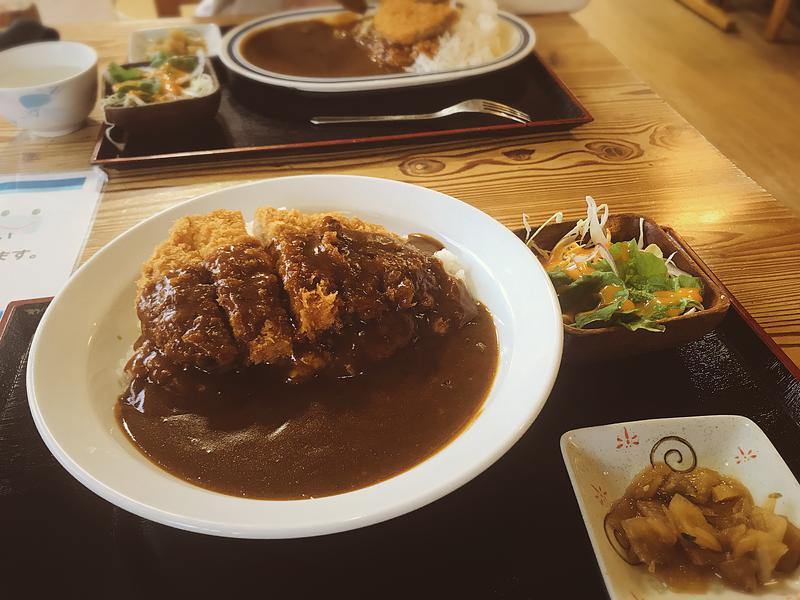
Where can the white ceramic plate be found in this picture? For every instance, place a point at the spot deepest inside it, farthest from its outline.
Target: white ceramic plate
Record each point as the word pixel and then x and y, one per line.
pixel 518 39
pixel 142 40
pixel 89 327
pixel 601 462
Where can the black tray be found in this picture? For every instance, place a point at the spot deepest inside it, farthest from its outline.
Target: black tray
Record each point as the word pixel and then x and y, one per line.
pixel 255 118
pixel 513 532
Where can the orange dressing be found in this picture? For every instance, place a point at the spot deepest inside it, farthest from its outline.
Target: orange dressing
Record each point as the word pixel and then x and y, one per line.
pixel 576 270
pixel 673 297
pixel 607 294
pixel 169 83
pixel 667 298
pixel 564 258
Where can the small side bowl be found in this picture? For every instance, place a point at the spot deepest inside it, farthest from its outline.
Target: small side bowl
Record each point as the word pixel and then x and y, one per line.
pixel 165 116
pixel 58 106
pixel 583 346
pixel 601 461
pixel 141 41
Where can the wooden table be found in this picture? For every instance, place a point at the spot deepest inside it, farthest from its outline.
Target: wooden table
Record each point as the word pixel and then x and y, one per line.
pixel 639 156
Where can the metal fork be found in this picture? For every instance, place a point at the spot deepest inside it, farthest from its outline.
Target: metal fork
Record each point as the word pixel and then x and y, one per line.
pixel 489 107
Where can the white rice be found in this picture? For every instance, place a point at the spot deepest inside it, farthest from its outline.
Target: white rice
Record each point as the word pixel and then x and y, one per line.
pixel 451 264
pixel 454 268
pixel 475 39
pixel 123 379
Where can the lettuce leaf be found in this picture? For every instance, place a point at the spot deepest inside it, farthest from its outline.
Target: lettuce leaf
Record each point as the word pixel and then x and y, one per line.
pixel 639 296
pixel 643 323
pixel 583 291
pixel 148 87
pixel 688 281
pixel 602 265
pixel 642 270
pixel 559 278
pixel 604 313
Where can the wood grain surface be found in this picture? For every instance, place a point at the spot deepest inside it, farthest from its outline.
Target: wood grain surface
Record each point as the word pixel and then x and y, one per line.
pixel 737 88
pixel 638 156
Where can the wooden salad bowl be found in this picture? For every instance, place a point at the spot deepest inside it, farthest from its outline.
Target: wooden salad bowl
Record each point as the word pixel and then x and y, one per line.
pixel 608 343
pixel 160 117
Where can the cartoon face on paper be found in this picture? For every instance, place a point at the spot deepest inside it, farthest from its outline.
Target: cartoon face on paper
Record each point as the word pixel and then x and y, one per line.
pixel 17 222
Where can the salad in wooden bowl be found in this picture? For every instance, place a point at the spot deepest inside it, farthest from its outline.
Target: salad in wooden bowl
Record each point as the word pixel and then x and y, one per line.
pixel 168 93
pixel 625 284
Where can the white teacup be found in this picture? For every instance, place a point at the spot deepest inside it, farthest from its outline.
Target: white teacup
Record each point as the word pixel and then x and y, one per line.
pixel 48 88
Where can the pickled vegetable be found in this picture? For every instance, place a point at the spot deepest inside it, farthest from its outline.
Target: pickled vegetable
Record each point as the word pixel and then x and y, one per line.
pixel 691 528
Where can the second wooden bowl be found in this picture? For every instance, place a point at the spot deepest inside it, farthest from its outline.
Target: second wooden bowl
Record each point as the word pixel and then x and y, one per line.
pixel 609 343
pixel 160 117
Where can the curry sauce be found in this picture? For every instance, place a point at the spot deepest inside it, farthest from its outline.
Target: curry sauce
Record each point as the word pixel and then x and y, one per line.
pixel 313 48
pixel 249 433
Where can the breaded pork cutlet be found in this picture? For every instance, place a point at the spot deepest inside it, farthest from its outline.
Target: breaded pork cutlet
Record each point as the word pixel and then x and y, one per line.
pixel 176 300
pixel 209 288
pixel 191 239
pixel 324 277
pixel 324 293
pixel 249 290
pixel 179 314
pixel 311 290
pixel 338 269
pixel 407 22
pixel 378 293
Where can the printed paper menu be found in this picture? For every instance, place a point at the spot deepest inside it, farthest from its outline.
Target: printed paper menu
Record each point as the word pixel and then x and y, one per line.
pixel 44 222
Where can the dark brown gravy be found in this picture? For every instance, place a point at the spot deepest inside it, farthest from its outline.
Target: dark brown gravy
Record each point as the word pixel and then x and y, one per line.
pixel 312 48
pixel 425 243
pixel 250 434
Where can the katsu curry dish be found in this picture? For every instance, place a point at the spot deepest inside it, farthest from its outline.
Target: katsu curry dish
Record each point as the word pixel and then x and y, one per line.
pixel 418 36
pixel 319 355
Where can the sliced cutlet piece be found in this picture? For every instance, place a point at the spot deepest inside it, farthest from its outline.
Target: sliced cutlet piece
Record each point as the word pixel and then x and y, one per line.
pixel 180 315
pixel 365 269
pixel 247 286
pixel 190 240
pixel 306 276
pixel 249 291
pixel 407 22
pixel 316 274
pixel 176 252
pixel 176 300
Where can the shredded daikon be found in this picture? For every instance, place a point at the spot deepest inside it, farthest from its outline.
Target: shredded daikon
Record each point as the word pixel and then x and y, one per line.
pixel 610 259
pixel 672 268
pixel 120 146
pixel 530 234
pixel 596 232
pixel 640 241
pixel 654 249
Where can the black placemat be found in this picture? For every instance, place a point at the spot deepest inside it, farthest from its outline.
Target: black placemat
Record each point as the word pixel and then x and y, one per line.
pixel 260 118
pixel 513 532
